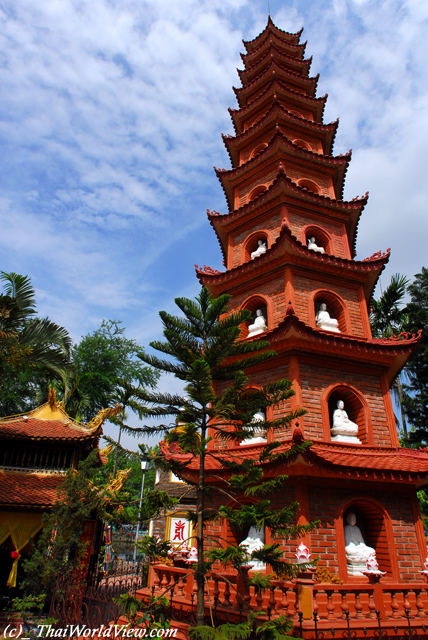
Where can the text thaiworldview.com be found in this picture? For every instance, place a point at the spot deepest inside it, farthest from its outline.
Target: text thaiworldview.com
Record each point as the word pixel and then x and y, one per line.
pixel 83 631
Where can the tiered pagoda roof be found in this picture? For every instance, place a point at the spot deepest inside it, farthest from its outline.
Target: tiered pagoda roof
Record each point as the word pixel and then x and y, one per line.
pixel 383 464
pixel 282 161
pixel 47 422
pixel 36 450
pixel 281 190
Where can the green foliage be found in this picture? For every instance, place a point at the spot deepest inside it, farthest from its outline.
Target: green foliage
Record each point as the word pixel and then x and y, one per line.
pixel 416 392
pixel 77 502
pixel 24 607
pixel 154 612
pixel 276 629
pixel 130 493
pixel 153 547
pixel 30 347
pixel 387 314
pixel 260 581
pixel 126 501
pixel 388 317
pixel 22 388
pixel 423 504
pixel 210 358
pixel 104 360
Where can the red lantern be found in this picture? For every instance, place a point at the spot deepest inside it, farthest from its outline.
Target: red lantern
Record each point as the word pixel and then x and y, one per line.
pixel 15 554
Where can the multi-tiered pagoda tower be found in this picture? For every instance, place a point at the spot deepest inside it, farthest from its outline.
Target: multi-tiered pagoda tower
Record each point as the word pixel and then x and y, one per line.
pixel 285 191
pixel 288 242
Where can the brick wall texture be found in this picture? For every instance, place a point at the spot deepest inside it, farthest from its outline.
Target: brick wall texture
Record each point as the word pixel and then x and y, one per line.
pixel 323 505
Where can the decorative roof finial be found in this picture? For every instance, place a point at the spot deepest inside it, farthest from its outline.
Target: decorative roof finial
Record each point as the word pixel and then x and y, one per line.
pixel 52 398
pixel 297 433
pixel 290 312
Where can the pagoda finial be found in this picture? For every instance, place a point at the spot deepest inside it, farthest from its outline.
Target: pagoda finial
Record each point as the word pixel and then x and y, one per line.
pixel 297 433
pixel 290 309
pixel 52 398
pixel 281 168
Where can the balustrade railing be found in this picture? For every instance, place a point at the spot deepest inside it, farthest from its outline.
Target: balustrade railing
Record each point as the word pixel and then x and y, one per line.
pixel 330 602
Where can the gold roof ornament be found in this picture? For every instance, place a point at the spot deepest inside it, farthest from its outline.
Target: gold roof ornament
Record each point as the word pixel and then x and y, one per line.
pixel 117 483
pixel 104 414
pixel 52 401
pixel 106 451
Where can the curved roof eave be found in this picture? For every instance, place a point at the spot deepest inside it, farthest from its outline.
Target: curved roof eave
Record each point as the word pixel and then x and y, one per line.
pixel 341 162
pixel 357 204
pixel 375 264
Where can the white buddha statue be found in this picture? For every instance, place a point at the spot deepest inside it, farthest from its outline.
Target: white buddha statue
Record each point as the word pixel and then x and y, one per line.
pixel 357 552
pixel 253 542
pixel 324 321
pixel 259 432
pixel 343 429
pixel 260 249
pixel 259 324
pixel 312 245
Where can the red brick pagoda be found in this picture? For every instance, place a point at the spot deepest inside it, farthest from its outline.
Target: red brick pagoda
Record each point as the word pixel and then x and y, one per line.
pixel 288 242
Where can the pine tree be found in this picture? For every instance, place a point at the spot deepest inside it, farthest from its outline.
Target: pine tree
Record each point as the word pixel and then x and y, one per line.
pixel 416 396
pixel 210 358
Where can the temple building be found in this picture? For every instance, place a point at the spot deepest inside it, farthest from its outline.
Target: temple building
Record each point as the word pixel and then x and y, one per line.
pixel 174 525
pixel 288 241
pixel 36 451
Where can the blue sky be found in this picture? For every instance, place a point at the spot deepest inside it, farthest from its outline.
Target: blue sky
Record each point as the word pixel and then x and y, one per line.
pixel 110 125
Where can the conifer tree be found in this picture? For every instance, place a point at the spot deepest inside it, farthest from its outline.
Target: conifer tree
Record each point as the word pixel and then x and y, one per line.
pixel 416 397
pixel 210 358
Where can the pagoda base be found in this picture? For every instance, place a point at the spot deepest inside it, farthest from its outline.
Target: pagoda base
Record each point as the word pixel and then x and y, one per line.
pixel 310 605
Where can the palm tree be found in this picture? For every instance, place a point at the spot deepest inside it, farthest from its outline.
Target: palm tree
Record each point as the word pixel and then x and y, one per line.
pixel 25 339
pixel 388 317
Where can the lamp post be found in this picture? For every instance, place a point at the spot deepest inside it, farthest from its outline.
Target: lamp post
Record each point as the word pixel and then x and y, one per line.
pixel 144 463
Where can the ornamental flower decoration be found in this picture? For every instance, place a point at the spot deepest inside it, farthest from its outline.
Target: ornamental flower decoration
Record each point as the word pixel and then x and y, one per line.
pixel 15 555
pixel 373 566
pixel 303 555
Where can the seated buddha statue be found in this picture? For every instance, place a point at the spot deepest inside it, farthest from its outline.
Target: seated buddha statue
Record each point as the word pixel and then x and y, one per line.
pixel 253 542
pixel 357 552
pixel 324 321
pixel 259 325
pixel 343 429
pixel 259 432
pixel 312 245
pixel 260 249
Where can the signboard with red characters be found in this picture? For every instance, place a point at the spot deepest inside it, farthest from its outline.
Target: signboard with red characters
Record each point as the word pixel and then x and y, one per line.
pixel 179 530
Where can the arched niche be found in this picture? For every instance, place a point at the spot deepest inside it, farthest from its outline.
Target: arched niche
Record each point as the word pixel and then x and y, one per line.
pixel 256 192
pixel 355 406
pixel 258 149
pixel 268 412
pixel 375 524
pixel 252 304
pixel 322 238
pixel 251 243
pixel 335 307
pixel 233 535
pixel 302 144
pixel 309 185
